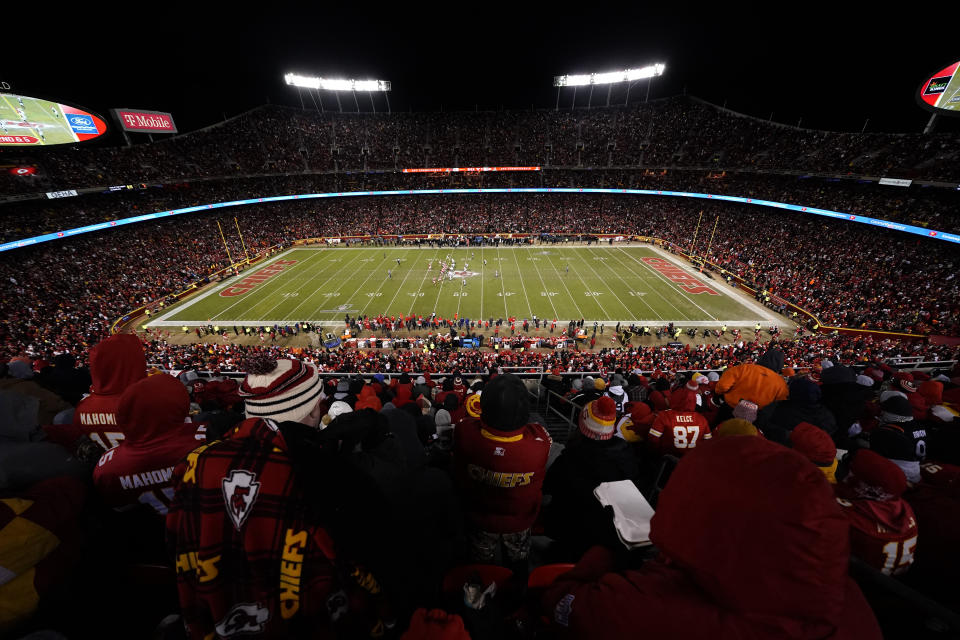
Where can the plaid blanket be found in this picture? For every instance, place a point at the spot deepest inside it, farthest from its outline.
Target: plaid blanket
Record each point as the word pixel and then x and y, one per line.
pixel 250 558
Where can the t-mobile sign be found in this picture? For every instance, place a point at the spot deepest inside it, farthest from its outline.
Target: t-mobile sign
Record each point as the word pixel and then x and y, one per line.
pixel 140 121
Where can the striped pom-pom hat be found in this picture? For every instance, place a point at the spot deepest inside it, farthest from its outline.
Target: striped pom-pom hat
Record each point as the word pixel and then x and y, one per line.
pixel 598 419
pixel 280 389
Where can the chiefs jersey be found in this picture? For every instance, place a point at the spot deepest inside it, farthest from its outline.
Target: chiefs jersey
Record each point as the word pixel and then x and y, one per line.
pixel 883 533
pixel 675 432
pixel 132 473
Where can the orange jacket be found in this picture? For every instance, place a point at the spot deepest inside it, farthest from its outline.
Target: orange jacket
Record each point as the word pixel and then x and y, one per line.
pixel 752 382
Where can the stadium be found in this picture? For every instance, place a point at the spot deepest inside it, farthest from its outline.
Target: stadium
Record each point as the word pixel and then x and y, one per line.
pixel 340 360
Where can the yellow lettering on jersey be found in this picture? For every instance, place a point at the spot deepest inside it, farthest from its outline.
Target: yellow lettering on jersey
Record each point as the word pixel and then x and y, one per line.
pixel 208 568
pixel 190 475
pixel 291 566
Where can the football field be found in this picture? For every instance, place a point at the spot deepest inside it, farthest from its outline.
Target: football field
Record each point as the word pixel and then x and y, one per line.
pixel 602 283
pixel 42 119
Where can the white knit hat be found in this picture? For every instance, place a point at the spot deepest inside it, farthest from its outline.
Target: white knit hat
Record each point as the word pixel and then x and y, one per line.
pixel 280 389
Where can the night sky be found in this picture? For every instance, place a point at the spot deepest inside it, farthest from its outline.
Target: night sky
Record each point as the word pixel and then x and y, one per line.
pixel 201 63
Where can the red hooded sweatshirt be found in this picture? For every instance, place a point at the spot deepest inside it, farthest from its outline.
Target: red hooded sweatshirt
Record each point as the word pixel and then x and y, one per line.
pixel 115 364
pixel 753 546
pixel 140 469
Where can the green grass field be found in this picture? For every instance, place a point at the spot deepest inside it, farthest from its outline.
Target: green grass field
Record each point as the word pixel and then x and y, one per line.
pixel 55 129
pixel 604 283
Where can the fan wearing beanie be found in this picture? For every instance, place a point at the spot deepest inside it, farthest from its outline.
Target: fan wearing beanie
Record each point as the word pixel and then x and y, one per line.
pixel 883 529
pixel 574 517
pixel 817 445
pixel 247 504
pixel 499 462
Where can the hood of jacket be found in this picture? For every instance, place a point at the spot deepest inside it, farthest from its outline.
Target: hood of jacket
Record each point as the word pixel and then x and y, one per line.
pixel 773 359
pixel 779 545
pixel 153 407
pixel 116 363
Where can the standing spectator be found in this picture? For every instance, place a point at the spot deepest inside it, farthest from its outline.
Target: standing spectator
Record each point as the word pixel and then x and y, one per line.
pixel 499 465
pixel 778 419
pixel 247 525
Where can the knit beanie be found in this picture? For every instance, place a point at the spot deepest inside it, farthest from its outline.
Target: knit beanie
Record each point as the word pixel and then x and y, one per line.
pixel 896 409
pixel 713 376
pixel 735 427
pixel 696 380
pixel 472 405
pixel 442 419
pixel 904 381
pixel 598 418
pixel 599 384
pixel 338 408
pixel 865 381
pixel 746 410
pixel 280 389
pixel 932 391
pixel 505 403
pixel 817 445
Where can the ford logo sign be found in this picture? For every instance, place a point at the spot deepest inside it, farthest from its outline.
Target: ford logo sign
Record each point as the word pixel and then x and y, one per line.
pixel 79 120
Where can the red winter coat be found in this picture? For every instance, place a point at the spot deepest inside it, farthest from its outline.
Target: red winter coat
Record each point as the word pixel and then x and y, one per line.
pixel 500 474
pixel 753 546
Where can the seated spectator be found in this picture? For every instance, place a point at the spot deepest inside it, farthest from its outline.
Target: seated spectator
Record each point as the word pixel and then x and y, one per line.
pixel 17 376
pixel 499 464
pixel 139 470
pixel 591 456
pixel 760 383
pixel 782 573
pixel 24 458
pixel 883 529
pixel 778 419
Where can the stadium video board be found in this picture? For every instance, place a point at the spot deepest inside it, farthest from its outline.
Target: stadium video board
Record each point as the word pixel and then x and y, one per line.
pixel 34 122
pixel 940 92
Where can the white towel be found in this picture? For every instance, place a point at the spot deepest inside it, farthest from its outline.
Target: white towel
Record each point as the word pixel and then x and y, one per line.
pixel 631 511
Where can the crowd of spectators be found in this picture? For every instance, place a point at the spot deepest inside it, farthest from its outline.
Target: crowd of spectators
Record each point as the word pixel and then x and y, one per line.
pixel 678 131
pixel 926 207
pixel 63 296
pixel 396 505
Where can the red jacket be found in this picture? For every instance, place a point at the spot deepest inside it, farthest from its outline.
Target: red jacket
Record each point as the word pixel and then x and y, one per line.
pixel 500 474
pixel 753 546
pixel 115 364
pixel 140 468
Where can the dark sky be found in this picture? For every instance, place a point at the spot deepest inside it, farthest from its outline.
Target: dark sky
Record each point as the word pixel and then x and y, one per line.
pixel 834 71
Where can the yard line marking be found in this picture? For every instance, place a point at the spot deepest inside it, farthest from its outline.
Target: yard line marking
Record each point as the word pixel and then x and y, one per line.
pixel 481 281
pixel 545 290
pixel 626 308
pixel 670 284
pixel 563 281
pixel 748 324
pixel 503 291
pixel 307 280
pixel 264 285
pixel 520 277
pixel 586 287
pixel 319 288
pixel 413 303
pixel 357 290
pixel 617 271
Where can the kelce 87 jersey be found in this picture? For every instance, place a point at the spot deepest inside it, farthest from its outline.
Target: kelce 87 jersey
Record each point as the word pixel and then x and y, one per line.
pixel 676 432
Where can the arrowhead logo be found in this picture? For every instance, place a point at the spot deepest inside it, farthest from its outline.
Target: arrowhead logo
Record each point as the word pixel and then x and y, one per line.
pixel 240 490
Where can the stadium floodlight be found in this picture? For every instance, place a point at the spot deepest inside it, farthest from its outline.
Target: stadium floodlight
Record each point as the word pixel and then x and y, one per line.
pixel 327 84
pixel 611 77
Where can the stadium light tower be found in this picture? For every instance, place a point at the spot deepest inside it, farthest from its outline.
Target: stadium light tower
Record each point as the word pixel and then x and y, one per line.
pixel 609 78
pixel 336 85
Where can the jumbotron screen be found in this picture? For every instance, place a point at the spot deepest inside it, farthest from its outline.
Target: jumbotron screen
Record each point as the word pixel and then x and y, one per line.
pixel 941 91
pixel 34 122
